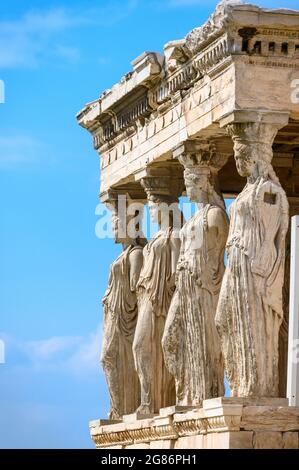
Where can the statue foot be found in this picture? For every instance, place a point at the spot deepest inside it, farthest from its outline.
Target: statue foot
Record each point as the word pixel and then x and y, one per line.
pixel 114 415
pixel 144 410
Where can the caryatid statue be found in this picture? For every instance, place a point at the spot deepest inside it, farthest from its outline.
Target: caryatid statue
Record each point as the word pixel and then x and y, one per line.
pixel 155 290
pixel 191 343
pixel 120 309
pixel 250 310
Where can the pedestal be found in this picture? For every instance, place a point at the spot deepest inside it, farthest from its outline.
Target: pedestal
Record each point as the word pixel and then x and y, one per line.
pixel 222 423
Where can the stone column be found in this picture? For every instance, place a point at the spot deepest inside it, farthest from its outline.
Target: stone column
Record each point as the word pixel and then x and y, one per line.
pixel 120 306
pixel 250 310
pixel 156 287
pixel 284 330
pixel 191 344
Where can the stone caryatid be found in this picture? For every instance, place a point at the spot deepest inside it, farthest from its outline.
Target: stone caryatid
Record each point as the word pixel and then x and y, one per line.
pixel 250 311
pixel 191 344
pixel 155 289
pixel 120 309
pixel 238 69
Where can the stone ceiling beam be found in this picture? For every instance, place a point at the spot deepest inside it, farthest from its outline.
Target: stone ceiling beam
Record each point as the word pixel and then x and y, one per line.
pixel 238 67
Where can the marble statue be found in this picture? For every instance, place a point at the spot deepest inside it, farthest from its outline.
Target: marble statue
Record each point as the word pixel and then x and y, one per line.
pixel 191 344
pixel 169 112
pixel 250 311
pixel 120 308
pixel 155 290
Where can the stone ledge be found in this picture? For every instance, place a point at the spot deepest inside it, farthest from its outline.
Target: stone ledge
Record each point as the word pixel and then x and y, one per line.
pixel 222 423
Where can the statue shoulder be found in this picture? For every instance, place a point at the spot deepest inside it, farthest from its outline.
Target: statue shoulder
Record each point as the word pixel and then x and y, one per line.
pixel 217 217
pixel 136 252
pixel 268 186
pixel 175 238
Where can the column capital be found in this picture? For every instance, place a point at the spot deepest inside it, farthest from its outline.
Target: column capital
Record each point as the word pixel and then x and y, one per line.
pixel 195 154
pixel 245 116
pixel 134 193
pixel 164 182
pixel 253 134
pixel 109 197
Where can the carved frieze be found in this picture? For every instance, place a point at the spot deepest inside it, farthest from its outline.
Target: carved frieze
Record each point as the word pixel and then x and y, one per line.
pixel 161 82
pixel 228 417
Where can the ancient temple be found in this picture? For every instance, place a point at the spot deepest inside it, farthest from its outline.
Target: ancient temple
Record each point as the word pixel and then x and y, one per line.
pixel 214 117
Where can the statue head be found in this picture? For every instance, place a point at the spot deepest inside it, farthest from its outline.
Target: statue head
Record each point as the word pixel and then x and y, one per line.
pixel 252 147
pixel 154 204
pixel 246 159
pixel 202 164
pixel 163 196
pixel 126 220
pixel 160 207
pixel 197 183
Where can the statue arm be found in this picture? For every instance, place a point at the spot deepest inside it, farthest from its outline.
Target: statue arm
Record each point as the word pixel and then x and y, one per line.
pixel 136 261
pixel 218 227
pixel 280 240
pixel 172 336
pixel 271 224
pixel 175 251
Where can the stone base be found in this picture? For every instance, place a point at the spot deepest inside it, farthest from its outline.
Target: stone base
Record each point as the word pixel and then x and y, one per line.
pixel 222 423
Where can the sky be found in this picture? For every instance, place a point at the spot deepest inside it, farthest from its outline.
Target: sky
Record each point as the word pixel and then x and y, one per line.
pixel 55 56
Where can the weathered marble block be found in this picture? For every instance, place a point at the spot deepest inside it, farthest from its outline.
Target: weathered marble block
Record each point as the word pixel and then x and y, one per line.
pixel 222 423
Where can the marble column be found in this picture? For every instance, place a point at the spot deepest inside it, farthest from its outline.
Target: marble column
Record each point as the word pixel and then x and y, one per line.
pixel 155 290
pixel 191 343
pixel 120 307
pixel 250 310
pixel 284 329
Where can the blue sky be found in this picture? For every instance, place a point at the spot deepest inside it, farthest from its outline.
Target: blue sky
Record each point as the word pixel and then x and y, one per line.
pixel 56 56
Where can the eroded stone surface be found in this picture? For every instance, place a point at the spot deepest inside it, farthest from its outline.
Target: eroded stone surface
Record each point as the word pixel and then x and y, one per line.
pixel 244 57
pixel 155 290
pixel 191 343
pixel 250 310
pixel 290 440
pixel 217 426
pixel 235 73
pixel 268 440
pixel 241 440
pixel 270 418
pixel 120 318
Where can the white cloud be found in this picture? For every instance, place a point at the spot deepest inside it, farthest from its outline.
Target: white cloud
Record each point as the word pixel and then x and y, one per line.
pixel 169 4
pixel 49 349
pixel 202 6
pixel 18 149
pixel 86 357
pixel 75 355
pixel 52 387
pixel 186 3
pixel 212 4
pixel 38 22
pixel 24 42
pixel 70 54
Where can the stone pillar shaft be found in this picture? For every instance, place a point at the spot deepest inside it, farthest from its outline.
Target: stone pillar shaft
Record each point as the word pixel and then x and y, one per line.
pixel 250 311
pixel 191 344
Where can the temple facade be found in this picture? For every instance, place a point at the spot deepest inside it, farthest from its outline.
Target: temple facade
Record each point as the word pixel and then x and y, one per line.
pixel 214 117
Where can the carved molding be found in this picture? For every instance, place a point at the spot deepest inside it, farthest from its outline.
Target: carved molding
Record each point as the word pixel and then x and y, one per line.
pixel 223 419
pixel 183 427
pixel 158 81
pixel 190 427
pixel 215 24
pixel 123 120
pixel 223 423
pixel 196 155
